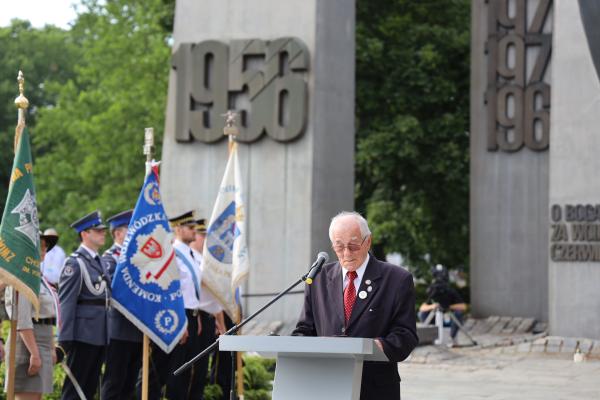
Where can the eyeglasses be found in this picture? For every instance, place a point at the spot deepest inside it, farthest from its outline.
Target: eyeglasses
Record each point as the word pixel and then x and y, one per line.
pixel 352 247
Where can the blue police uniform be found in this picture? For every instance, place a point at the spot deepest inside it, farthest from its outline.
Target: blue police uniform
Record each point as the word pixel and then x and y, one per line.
pixel 83 293
pixel 124 353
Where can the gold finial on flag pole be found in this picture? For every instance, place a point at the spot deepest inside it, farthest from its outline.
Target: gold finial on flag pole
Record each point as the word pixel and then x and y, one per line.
pixel 22 104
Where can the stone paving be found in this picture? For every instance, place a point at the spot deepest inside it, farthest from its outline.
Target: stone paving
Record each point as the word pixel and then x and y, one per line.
pixel 509 362
pixel 480 374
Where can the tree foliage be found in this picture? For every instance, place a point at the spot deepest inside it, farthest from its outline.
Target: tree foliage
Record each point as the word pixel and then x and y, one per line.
pixel 46 56
pixel 91 142
pixel 98 85
pixel 412 86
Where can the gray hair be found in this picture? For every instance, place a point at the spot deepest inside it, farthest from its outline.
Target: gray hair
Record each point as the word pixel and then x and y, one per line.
pixel 360 220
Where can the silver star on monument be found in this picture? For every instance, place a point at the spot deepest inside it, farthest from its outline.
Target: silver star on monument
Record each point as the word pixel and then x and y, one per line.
pixel 28 218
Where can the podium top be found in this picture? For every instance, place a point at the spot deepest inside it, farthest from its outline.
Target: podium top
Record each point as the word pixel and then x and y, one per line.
pixel 305 346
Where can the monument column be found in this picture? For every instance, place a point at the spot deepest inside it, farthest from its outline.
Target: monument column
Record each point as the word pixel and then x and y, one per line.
pixel 510 128
pixel 574 214
pixel 288 68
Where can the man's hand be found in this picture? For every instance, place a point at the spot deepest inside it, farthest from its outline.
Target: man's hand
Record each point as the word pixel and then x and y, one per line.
pixel 378 343
pixel 35 363
pixel 184 338
pixel 220 327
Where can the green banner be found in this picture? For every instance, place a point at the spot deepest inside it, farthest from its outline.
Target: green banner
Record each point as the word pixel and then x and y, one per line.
pixel 19 230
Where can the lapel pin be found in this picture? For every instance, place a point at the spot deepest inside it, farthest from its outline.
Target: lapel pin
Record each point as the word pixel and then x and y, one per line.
pixel 362 294
pixel 368 281
pixel 369 289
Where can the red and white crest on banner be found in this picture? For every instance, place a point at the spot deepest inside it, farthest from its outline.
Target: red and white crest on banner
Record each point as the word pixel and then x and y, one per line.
pixel 152 248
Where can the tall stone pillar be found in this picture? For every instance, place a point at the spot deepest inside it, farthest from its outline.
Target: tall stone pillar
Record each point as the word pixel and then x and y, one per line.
pixel 288 67
pixel 574 217
pixel 510 125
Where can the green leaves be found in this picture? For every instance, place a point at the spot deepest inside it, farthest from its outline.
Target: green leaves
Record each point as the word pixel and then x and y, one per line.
pixel 412 111
pixel 46 58
pixel 93 138
pixel 95 88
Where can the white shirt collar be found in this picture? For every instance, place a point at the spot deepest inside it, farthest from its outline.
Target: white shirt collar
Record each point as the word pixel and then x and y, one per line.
pixel 359 272
pixel 90 251
pixel 181 246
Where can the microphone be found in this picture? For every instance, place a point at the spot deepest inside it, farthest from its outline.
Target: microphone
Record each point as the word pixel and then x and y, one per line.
pixel 322 258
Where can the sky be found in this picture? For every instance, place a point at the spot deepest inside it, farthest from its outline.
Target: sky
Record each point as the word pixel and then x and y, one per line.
pixel 38 12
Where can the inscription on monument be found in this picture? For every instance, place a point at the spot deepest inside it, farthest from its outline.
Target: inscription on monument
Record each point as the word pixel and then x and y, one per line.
pixel 575 232
pixel 264 81
pixel 517 98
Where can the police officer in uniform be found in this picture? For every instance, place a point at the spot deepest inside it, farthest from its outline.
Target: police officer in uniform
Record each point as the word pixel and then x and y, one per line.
pixel 180 388
pixel 211 316
pixel 83 294
pixel 124 352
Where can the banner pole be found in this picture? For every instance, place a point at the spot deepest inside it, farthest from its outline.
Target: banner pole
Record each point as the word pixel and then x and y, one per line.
pixel 148 149
pixel 22 104
pixel 145 366
pixel 240 367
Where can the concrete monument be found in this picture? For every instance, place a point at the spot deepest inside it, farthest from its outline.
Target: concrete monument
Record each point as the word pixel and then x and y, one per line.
pixel 510 132
pixel 574 218
pixel 287 67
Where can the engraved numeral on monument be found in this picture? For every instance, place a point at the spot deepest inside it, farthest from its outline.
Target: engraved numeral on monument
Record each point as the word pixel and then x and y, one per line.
pixel 263 80
pixel 517 106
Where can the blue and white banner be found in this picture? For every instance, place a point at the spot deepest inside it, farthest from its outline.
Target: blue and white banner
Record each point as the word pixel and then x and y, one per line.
pixel 225 262
pixel 146 287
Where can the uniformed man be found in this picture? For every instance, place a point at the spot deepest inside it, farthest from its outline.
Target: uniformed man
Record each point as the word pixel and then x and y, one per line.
pixel 84 293
pixel 191 278
pixel 124 352
pixel 211 315
pixel 118 225
pixel 163 365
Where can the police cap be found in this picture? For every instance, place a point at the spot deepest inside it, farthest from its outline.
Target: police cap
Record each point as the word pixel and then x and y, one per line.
pixel 92 220
pixel 187 218
pixel 120 219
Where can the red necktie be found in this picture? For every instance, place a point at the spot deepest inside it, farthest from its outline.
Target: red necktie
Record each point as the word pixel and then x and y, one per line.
pixel 349 295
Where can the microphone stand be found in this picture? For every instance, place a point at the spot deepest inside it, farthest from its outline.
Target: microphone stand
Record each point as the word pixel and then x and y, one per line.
pixel 237 327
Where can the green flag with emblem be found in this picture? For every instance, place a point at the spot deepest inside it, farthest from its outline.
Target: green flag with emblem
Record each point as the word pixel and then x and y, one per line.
pixel 19 230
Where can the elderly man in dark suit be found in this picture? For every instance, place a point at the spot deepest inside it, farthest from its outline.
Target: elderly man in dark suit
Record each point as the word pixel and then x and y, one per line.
pixel 382 308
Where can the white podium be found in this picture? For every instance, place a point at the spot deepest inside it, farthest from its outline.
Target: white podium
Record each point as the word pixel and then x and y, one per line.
pixel 316 368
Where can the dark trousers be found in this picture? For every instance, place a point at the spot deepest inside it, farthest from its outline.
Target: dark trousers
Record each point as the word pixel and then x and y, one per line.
pixel 200 371
pixel 221 365
pixel 84 360
pixel 380 381
pixel 123 363
pixel 190 384
pixel 160 372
